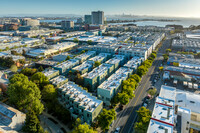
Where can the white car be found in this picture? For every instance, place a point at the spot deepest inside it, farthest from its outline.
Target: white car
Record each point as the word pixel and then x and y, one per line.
pixel 117 130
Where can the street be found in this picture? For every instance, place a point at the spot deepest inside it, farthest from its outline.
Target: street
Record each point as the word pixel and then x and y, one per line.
pixel 127 117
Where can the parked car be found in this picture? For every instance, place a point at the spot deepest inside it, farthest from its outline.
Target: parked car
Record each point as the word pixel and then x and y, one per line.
pixel 117 130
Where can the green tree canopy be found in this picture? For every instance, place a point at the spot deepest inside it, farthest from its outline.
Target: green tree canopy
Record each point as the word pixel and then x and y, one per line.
pixel 32 124
pixel 168 50
pixel 40 69
pixel 28 71
pixel 124 97
pixel 152 92
pixel 24 94
pixel 68 58
pixel 89 42
pixel 83 51
pixel 144 116
pixel 136 77
pixel 40 79
pixel 97 63
pixel 49 93
pixel 141 70
pixel 76 40
pixel 83 128
pixel 105 118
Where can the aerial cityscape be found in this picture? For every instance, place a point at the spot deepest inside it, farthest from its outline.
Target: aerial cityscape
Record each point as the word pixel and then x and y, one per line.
pixel 109 66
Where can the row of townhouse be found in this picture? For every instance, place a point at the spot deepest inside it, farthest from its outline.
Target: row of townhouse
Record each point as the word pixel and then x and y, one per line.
pixel 79 102
pixel 110 87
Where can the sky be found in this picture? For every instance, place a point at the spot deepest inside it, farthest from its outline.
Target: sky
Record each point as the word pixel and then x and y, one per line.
pixel 175 8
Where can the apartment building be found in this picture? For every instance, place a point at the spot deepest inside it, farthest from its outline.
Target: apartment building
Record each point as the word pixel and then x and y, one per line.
pixel 66 66
pixel 98 75
pixel 134 63
pixel 85 67
pixel 79 102
pixel 117 61
pixel 50 73
pixel 59 81
pixel 85 56
pixel 110 87
pixel 102 57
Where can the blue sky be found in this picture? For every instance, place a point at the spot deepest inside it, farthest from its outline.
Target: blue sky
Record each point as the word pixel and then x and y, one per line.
pixel 181 8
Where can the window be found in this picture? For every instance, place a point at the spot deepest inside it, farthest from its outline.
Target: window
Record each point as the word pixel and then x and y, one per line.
pixel 192 102
pixel 180 101
pixel 88 115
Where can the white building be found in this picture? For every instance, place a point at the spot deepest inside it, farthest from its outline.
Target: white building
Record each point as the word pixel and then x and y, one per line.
pixel 10 118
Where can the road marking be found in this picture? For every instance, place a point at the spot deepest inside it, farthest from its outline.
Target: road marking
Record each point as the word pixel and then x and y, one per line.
pixel 138 98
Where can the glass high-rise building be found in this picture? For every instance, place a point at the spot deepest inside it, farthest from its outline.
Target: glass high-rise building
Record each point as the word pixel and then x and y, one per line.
pixel 97 17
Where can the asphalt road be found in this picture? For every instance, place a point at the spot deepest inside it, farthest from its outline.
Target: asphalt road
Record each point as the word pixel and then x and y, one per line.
pixel 127 117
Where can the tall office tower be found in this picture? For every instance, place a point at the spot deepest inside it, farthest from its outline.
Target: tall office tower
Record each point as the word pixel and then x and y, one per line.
pixel 97 17
pixel 88 19
pixel 67 24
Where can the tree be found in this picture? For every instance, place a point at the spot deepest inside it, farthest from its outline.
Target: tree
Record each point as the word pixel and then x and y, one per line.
pixel 24 94
pixel 105 118
pixel 161 68
pixel 141 70
pixel 123 98
pixel 32 123
pixel 89 42
pixel 49 93
pixel 40 79
pixel 165 56
pixel 144 116
pixel 40 69
pixel 136 77
pixel 129 91
pixel 97 63
pixel 147 63
pixel 28 71
pixel 168 50
pixel 153 55
pixel 152 92
pixel 76 40
pixel 83 51
pixel 68 58
pixel 13 68
pixel 83 128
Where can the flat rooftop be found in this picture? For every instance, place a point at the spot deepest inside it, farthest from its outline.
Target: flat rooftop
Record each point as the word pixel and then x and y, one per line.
pixel 47 62
pixel 134 62
pixel 58 80
pixel 48 72
pixel 187 71
pixel 116 59
pixel 159 127
pixel 86 100
pixel 168 92
pixel 67 63
pixel 99 57
pixel 116 79
pixel 163 113
pixel 188 100
pixel 83 66
pixel 98 70
pixel 86 55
